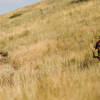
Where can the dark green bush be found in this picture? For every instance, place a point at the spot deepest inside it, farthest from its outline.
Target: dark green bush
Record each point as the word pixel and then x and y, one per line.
pixel 76 1
pixel 15 15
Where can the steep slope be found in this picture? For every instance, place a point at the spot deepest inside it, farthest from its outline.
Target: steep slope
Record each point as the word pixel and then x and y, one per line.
pixel 48 23
pixel 51 42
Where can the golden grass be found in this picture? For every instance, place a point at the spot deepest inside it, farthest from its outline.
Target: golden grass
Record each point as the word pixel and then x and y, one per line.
pixel 50 52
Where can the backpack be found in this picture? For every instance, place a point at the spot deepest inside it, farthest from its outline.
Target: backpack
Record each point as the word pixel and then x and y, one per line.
pixel 98 45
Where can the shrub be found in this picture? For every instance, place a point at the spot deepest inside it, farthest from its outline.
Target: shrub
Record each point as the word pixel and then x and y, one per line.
pixel 76 1
pixel 15 15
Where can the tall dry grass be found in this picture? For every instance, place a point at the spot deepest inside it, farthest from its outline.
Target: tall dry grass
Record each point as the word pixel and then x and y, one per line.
pixel 50 52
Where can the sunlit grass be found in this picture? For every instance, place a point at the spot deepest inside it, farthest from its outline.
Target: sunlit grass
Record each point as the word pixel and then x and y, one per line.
pixel 50 52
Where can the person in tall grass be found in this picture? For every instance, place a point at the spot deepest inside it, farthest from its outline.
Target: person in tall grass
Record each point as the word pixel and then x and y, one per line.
pixel 97 47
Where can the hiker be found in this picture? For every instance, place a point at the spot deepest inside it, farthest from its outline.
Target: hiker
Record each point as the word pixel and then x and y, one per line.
pixel 97 46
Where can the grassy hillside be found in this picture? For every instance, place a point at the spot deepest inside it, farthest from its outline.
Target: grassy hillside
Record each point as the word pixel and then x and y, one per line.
pixel 50 51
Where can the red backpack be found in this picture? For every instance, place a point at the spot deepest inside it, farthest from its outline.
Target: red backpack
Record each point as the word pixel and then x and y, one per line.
pixel 98 45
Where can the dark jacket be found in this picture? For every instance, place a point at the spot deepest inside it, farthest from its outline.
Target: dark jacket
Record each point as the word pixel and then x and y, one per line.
pixel 97 45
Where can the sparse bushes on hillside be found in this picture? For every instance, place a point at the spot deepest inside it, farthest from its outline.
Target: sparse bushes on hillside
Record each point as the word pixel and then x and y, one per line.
pixel 76 1
pixel 51 1
pixel 15 15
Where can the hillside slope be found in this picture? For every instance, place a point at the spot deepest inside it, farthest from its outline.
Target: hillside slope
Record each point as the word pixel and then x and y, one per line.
pixel 50 51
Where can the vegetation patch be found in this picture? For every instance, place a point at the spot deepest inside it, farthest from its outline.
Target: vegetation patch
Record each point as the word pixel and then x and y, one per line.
pixel 77 1
pixel 15 15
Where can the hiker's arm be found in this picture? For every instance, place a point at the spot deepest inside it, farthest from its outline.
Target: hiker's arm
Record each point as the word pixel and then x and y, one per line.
pixel 94 48
pixel 93 52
